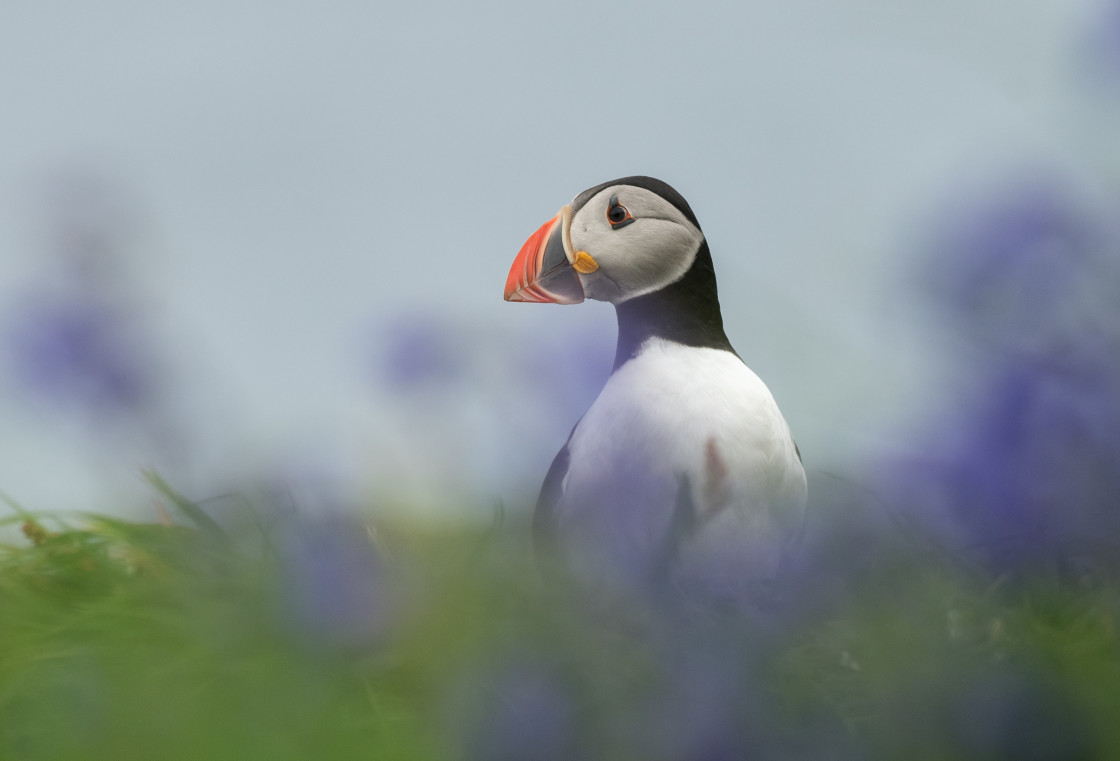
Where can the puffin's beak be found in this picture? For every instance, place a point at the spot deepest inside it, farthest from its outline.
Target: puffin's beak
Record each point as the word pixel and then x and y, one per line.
pixel 543 270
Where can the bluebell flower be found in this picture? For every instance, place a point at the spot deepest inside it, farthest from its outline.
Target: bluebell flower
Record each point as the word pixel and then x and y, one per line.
pixel 521 709
pixel 1018 270
pixel 1025 468
pixel 336 591
pixel 703 707
pixel 709 697
pixel 415 352
pixel 79 353
pixel 1034 472
pixel 569 368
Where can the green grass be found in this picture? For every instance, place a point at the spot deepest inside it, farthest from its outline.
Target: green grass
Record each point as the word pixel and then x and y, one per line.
pixel 123 640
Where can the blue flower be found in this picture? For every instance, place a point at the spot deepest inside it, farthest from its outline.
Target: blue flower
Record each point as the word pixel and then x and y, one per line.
pixel 335 589
pixel 1017 269
pixel 522 709
pixel 79 353
pixel 703 708
pixel 1025 468
pixel 415 352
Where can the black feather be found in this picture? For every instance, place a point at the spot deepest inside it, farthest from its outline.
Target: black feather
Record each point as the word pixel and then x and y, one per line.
pixel 544 518
pixel 686 311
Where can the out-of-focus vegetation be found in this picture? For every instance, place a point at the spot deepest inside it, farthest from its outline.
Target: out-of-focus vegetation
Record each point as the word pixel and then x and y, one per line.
pixel 278 637
pixel 962 602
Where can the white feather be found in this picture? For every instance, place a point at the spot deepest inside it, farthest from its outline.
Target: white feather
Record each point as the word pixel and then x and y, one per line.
pixel 642 257
pixel 675 411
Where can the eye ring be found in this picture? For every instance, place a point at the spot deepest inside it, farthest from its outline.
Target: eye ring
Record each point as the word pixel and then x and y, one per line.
pixel 617 214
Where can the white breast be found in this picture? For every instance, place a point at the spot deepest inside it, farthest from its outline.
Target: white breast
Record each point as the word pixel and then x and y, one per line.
pixel 674 413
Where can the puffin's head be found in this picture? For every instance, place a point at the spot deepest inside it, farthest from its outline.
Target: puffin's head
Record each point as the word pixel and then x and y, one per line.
pixel 615 241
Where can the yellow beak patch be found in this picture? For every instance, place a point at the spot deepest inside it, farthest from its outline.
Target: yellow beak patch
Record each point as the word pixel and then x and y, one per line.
pixel 584 263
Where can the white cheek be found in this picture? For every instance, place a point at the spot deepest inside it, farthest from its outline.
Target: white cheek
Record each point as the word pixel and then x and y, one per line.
pixel 639 259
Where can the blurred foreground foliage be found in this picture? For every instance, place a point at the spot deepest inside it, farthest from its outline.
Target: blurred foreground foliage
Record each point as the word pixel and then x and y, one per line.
pixel 323 638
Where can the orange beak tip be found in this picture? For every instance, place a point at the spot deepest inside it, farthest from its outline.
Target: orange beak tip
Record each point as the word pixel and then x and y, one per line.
pixel 542 270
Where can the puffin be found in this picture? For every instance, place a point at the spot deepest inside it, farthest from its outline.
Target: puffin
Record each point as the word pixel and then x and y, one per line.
pixel 683 470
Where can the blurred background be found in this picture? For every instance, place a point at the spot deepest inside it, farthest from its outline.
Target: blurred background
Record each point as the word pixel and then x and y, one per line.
pixel 267 241
pixel 258 249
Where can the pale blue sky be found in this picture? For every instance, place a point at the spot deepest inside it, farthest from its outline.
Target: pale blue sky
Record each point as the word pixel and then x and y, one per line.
pixel 301 175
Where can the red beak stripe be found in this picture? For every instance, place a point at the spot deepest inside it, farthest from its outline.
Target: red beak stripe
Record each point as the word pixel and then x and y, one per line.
pixel 541 271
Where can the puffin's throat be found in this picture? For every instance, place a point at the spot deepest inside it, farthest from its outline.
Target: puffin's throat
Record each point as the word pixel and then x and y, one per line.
pixel 686 312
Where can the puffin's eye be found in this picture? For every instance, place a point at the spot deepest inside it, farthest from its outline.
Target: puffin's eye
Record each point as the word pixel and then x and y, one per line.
pixel 617 214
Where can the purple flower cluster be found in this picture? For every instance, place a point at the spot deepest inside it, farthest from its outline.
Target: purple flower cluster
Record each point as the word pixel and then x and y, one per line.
pixel 79 354
pixel 417 353
pixel 336 591
pixel 75 336
pixel 519 708
pixel 1028 268
pixel 608 682
pixel 1025 470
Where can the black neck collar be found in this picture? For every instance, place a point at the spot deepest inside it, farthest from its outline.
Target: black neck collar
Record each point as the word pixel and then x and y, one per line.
pixel 686 312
